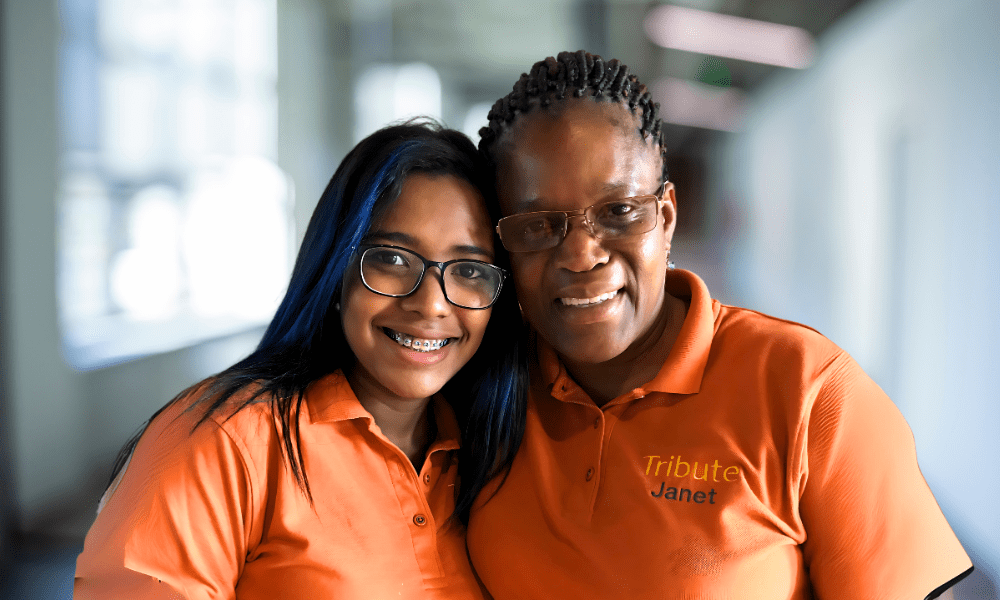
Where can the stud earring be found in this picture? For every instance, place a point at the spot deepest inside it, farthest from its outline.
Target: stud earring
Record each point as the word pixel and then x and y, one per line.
pixel 670 263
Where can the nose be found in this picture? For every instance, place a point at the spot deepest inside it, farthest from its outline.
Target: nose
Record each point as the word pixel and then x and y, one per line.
pixel 580 250
pixel 586 222
pixel 428 299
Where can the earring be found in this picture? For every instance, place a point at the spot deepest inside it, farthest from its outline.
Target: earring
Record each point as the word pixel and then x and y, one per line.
pixel 336 306
pixel 670 263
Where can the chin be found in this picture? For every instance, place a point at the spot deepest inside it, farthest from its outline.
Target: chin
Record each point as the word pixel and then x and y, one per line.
pixel 419 385
pixel 415 390
pixel 586 352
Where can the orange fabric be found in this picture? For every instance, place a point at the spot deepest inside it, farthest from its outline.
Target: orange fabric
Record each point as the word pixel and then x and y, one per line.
pixel 760 463
pixel 216 513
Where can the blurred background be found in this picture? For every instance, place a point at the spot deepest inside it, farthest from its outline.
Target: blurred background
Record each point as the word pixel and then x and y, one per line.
pixel 837 163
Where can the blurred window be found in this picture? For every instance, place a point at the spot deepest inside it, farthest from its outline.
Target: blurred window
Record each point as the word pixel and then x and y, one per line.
pixel 390 93
pixel 476 117
pixel 174 221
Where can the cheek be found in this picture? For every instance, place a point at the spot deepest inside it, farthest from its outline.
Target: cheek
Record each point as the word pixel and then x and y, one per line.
pixel 528 270
pixel 357 306
pixel 652 255
pixel 650 262
pixel 350 286
pixel 476 322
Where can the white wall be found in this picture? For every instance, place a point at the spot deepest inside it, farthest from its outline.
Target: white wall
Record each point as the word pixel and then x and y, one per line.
pixel 44 409
pixel 868 190
pixel 65 426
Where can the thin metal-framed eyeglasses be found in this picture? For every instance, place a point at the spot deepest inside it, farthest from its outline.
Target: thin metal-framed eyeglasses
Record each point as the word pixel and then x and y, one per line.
pixel 606 220
pixel 398 272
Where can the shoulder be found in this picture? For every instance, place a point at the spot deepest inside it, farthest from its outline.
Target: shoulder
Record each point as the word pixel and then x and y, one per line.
pixel 196 483
pixel 785 369
pixel 186 438
pixel 803 375
pixel 745 322
pixel 246 415
pixel 770 342
pixel 185 462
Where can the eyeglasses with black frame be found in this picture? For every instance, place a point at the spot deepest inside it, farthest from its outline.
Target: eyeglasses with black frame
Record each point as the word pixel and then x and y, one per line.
pixel 606 220
pixel 397 272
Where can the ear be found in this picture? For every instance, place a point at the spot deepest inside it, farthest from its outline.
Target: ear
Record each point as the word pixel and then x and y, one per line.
pixel 669 211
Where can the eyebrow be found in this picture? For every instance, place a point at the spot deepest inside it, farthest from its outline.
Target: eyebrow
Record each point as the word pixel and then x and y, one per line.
pixel 531 204
pixel 402 239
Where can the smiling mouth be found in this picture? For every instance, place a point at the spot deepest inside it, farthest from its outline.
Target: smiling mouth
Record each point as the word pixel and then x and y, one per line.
pixel 415 343
pixel 584 302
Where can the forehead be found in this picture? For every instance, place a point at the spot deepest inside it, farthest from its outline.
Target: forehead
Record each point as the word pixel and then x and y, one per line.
pixel 436 214
pixel 582 148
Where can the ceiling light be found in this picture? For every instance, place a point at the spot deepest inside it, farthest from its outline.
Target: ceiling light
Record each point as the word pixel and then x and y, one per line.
pixel 728 36
pixel 698 105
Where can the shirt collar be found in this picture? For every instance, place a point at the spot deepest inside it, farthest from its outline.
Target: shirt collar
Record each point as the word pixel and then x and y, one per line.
pixel 682 372
pixel 331 398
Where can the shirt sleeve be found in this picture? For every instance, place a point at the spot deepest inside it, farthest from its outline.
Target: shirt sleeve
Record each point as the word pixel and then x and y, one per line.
pixel 873 528
pixel 179 522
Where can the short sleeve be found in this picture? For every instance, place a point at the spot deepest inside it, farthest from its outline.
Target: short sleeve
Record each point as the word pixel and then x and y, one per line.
pixel 179 520
pixel 873 528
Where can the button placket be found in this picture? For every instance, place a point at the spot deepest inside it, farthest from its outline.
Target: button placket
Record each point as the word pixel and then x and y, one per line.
pixel 591 469
pixel 604 423
pixel 414 503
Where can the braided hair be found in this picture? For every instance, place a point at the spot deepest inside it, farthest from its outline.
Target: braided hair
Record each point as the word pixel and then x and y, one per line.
pixel 574 74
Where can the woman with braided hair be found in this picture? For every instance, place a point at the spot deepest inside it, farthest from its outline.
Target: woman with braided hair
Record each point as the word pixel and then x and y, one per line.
pixel 323 465
pixel 675 447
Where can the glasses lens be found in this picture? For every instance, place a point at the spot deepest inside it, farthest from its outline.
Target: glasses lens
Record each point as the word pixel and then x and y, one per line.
pixel 472 284
pixel 391 271
pixel 532 231
pixel 623 218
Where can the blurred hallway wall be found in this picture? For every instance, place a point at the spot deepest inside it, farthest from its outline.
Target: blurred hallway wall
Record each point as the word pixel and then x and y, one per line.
pixel 867 189
pixel 45 415
pixel 64 427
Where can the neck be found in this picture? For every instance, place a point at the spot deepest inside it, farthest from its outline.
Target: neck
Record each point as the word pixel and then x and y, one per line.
pixel 407 423
pixel 638 365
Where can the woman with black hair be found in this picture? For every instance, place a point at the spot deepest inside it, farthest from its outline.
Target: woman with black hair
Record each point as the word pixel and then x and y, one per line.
pixel 323 465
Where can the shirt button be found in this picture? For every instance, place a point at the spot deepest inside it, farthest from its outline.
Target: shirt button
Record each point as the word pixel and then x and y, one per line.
pixel 597 422
pixel 419 520
pixel 427 478
pixel 590 474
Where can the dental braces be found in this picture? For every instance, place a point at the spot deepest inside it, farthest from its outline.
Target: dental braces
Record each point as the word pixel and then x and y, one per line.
pixel 420 346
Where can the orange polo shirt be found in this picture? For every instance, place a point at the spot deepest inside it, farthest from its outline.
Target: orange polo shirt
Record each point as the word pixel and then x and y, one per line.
pixel 760 463
pixel 216 513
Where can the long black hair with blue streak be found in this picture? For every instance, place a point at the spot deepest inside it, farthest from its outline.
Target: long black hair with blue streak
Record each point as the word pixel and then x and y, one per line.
pixel 305 340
